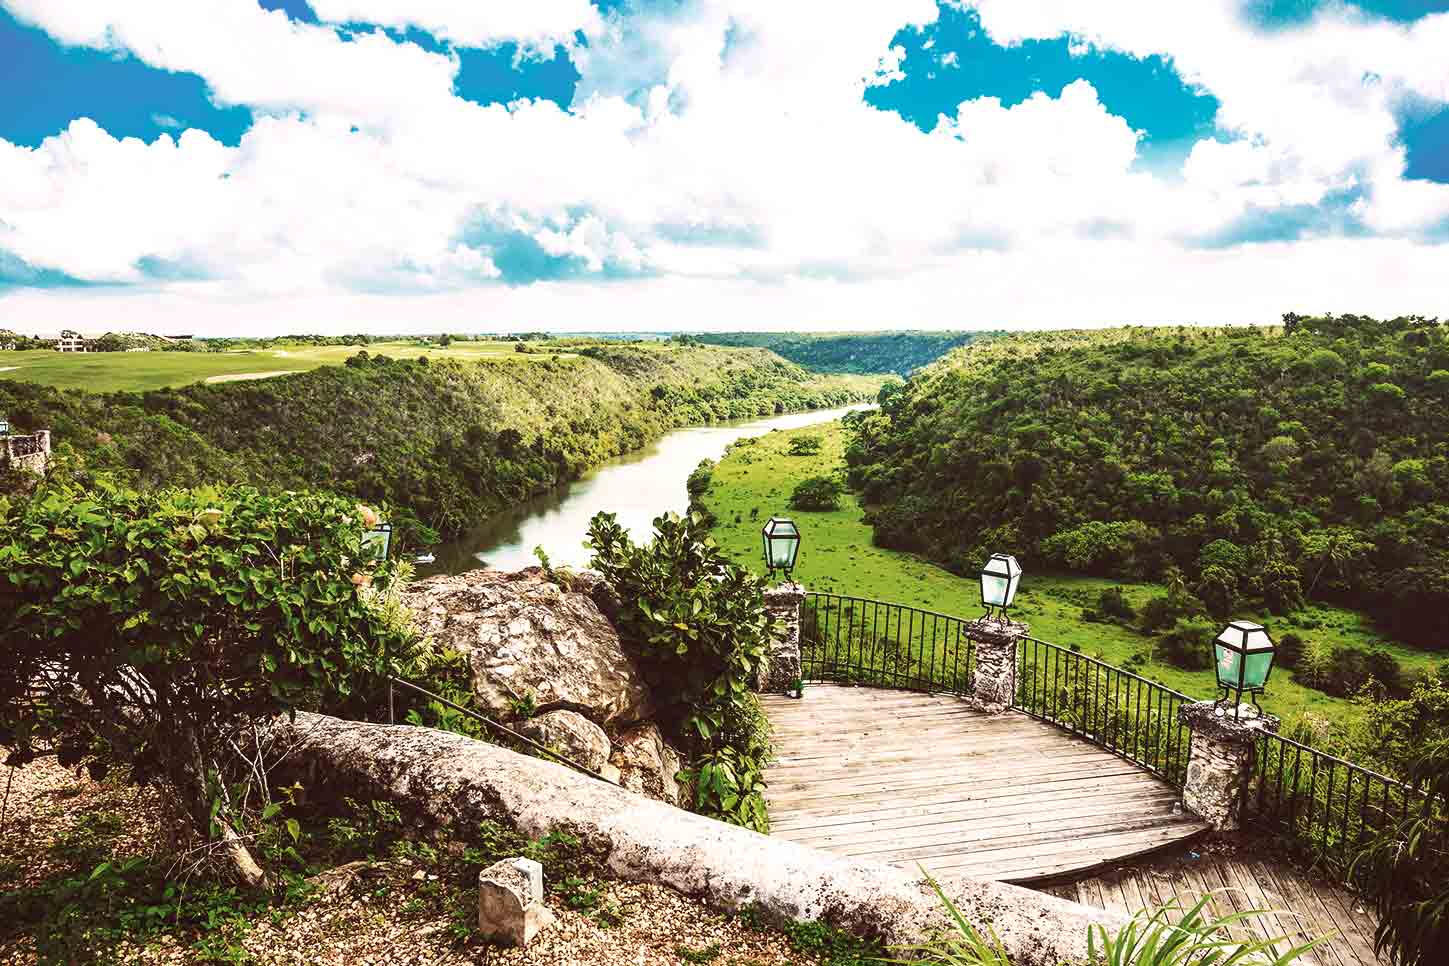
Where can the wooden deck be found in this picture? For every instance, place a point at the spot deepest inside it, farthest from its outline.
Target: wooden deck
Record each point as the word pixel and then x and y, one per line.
pixel 1308 908
pixel 908 778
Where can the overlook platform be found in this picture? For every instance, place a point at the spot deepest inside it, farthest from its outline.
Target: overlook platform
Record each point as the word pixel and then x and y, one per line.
pixel 905 778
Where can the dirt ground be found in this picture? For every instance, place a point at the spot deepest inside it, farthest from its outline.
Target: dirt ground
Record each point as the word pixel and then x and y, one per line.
pixel 356 915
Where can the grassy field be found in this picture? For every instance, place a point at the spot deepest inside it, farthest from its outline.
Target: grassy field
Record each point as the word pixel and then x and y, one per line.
pixel 836 555
pixel 139 371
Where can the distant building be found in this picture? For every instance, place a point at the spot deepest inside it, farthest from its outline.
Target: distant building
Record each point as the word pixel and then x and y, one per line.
pixel 70 341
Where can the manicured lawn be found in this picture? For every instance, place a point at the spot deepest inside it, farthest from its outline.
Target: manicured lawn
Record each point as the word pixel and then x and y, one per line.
pixel 836 555
pixel 139 371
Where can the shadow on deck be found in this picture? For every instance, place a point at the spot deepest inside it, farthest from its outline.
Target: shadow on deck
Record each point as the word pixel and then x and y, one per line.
pixel 910 778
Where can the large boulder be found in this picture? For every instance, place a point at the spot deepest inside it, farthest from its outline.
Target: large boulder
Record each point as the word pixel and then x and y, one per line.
pixel 524 635
pixel 648 765
pixel 571 735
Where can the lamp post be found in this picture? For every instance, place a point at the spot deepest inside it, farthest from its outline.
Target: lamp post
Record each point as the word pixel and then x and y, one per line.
pixel 377 544
pixel 782 545
pixel 1244 659
pixel 1000 577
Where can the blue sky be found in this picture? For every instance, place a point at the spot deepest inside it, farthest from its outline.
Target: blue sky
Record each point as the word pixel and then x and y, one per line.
pixel 714 161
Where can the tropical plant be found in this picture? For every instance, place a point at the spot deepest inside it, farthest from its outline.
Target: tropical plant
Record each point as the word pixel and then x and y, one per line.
pixel 698 627
pixel 157 631
pixel 1404 870
pixel 817 494
pixel 1165 936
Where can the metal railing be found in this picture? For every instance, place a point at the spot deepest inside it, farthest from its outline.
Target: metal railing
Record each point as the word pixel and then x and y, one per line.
pixel 1121 711
pixel 858 641
pixel 1328 805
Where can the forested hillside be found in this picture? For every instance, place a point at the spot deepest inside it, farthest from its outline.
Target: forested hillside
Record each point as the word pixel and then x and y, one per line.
pixel 449 441
pixel 1252 466
pixel 897 352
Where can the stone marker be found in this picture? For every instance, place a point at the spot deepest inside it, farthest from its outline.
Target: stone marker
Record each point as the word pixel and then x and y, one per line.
pixel 510 902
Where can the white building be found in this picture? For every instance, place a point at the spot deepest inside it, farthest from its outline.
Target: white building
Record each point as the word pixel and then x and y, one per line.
pixel 70 341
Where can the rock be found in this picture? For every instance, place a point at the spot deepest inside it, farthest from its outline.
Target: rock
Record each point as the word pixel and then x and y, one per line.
pixel 1223 753
pixel 442 779
pixel 524 635
pixel 647 765
pixel 510 902
pixel 571 735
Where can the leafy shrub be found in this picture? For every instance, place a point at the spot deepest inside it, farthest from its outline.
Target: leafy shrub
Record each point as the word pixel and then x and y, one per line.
pixel 805 445
pixel 1113 604
pixel 1189 644
pixel 697 624
pixel 818 493
pixel 699 479
pixel 154 630
pixel 1289 652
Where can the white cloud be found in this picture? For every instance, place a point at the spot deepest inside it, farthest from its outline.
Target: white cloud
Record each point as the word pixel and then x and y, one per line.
pixel 718 164
pixel 536 24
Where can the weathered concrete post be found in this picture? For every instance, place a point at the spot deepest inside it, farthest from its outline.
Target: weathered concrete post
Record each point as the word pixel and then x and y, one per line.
pixel 1222 759
pixel 993 674
pixel 782 668
pixel 510 902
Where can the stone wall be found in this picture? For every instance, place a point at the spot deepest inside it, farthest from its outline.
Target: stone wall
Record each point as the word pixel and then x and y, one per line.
pixel 782 668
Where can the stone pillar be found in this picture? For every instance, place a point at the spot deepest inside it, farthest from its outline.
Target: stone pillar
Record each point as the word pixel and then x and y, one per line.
pixel 782 665
pixel 1222 759
pixel 993 674
pixel 510 902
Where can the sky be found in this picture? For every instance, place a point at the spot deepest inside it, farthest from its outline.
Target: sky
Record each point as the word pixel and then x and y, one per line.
pixel 243 167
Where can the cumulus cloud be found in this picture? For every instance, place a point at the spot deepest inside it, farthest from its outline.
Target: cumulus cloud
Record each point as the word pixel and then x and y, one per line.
pixel 719 162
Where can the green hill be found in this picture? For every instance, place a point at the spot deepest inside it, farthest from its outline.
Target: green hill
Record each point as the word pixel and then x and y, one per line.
pixel 452 441
pixel 1261 464
pixel 897 352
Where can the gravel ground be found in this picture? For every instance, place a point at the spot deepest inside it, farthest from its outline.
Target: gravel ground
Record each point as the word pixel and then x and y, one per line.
pixel 361 913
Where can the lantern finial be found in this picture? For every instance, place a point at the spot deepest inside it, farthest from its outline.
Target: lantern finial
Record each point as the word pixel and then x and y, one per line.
pixel 1243 659
pixel 1000 577
pixel 782 544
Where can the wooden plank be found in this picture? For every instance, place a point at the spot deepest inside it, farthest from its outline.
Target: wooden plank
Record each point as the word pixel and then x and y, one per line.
pixel 1287 916
pixel 1093 849
pixel 907 827
pixel 1354 944
pixel 1313 920
pixel 994 840
pixel 986 783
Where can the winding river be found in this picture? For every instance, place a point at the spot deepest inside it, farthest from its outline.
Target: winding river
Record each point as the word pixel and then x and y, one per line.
pixel 637 487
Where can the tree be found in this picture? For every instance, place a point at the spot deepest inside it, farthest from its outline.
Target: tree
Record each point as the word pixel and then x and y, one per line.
pixel 818 493
pixel 806 445
pixel 156 631
pixel 1336 547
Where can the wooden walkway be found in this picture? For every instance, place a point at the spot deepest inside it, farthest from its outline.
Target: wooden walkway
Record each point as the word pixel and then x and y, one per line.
pixel 910 778
pixel 1307 908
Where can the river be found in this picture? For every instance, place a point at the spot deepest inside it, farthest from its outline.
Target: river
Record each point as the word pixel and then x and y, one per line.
pixel 637 487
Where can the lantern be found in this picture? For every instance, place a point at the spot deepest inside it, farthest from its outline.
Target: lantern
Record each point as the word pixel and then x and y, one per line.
pixel 4 426
pixel 782 544
pixel 1244 659
pixel 377 542
pixel 999 579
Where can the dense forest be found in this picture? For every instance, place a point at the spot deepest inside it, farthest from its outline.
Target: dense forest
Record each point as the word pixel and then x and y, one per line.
pixel 445 442
pixel 861 352
pixel 1245 466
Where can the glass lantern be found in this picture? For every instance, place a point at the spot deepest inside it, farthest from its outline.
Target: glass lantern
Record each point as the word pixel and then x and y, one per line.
pixel 4 426
pixel 377 542
pixel 999 579
pixel 782 544
pixel 1243 655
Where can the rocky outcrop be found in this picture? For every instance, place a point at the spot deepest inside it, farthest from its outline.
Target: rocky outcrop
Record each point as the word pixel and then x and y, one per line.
pixel 444 779
pixel 571 735
pixel 648 765
pixel 524 635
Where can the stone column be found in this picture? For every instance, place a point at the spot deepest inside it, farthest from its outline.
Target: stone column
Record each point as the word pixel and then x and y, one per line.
pixel 993 674
pixel 782 666
pixel 1222 759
